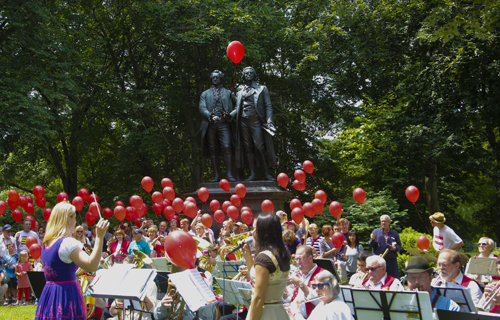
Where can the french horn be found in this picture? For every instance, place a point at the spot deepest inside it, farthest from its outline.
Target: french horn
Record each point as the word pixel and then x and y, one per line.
pixel 233 243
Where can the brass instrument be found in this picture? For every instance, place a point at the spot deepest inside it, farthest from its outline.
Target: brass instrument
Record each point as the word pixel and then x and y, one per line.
pixel 240 276
pixel 177 304
pixel 204 245
pixel 224 250
pixel 489 298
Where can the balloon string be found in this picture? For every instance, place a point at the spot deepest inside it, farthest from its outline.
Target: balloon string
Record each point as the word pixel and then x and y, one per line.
pixel 180 195
pixel 234 73
pixel 366 215
pixel 421 219
pixel 319 186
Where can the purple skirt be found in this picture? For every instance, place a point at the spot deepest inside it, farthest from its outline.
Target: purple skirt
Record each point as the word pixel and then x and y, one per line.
pixel 61 300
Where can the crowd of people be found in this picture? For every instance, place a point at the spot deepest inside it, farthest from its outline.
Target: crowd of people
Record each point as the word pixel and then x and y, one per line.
pixel 280 264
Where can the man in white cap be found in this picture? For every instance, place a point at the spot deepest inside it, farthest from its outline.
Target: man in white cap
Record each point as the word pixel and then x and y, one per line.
pixel 5 238
pixel 444 237
pixel 419 277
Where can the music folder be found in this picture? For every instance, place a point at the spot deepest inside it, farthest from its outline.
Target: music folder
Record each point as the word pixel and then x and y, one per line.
pixel 193 289
pixel 482 266
pixel 235 292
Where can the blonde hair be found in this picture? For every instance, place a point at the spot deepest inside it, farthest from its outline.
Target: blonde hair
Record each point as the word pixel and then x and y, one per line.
pixel 24 253
pixel 82 238
pixel 57 226
pixel 152 229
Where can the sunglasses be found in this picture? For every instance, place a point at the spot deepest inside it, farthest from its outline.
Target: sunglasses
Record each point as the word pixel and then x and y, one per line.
pixel 319 285
pixel 482 244
pixel 372 268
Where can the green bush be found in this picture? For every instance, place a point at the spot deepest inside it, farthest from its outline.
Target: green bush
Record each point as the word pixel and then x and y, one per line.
pixel 409 240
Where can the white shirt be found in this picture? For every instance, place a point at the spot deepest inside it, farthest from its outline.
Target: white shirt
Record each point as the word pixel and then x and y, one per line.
pixel 301 296
pixel 335 310
pixel 3 244
pixel 473 287
pixel 22 239
pixel 67 246
pixel 357 279
pixel 444 238
pixel 395 286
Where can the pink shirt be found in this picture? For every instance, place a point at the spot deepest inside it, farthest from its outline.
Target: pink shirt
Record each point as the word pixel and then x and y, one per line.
pixel 22 281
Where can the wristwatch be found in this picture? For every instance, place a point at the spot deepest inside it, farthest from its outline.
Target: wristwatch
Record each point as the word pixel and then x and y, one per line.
pixel 301 285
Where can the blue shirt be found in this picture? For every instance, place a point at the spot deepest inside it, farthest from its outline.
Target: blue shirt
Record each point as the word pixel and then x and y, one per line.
pixel 444 303
pixel 142 246
pixel 10 270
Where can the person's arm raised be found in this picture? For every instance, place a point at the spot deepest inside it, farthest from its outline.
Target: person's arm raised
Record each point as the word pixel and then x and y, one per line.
pixel 82 259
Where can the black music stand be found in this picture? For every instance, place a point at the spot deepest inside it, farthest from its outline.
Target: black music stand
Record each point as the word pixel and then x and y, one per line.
pixel 328 264
pixel 451 315
pixel 162 281
pixel 37 282
pixel 461 295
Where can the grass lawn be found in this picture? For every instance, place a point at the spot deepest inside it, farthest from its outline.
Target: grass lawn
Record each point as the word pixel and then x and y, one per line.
pixel 17 312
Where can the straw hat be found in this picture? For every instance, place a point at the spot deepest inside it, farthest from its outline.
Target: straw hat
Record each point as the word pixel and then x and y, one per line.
pixel 438 217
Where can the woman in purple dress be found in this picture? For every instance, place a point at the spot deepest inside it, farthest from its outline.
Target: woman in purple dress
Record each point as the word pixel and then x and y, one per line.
pixel 62 254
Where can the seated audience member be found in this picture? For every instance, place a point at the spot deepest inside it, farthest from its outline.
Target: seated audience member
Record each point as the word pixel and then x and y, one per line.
pixel 485 247
pixel 302 280
pixel 449 271
pixel 494 305
pixel 4 284
pixel 291 241
pixel 377 276
pixel 419 276
pixel 361 273
pixel 139 244
pixel 119 248
pixel 331 306
pixel 444 237
pixel 80 235
pixel 315 239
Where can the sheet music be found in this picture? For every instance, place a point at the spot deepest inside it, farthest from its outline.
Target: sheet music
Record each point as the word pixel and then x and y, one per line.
pixel 482 266
pixel 246 295
pixel 193 289
pixel 231 290
pixel 228 269
pixel 461 295
pixel 160 264
pixel 122 283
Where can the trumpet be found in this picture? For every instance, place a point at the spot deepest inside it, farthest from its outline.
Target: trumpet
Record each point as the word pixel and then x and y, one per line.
pixel 490 297
pixel 240 276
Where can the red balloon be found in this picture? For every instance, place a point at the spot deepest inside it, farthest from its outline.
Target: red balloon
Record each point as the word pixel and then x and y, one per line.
pixel 120 213
pixel 78 203
pixel 107 212
pixel 321 195
pixel 300 175
pixel 35 251
pixel 12 204
pixel 169 193
pixel 283 180
pixel 295 203
pixel 308 209
pixel 158 208
pixel 233 212
pixel 40 202
pixel 308 166
pixel 17 215
pixel 169 212
pixel 138 222
pixel 46 214
pixel 166 203
pixel 93 198
pixel 62 196
pixel 90 218
pixel 299 186
pixel 94 209
pixel 166 182
pixel 214 205
pixel 13 195
pixel 207 220
pixel 29 208
pixel 298 215
pixel 32 220
pixel 203 194
pixel 246 208
pixel 235 200
pixel 412 193
pixel 147 183
pixel 136 201
pixel 246 216
pixel 190 199
pixel 157 197
pixel 267 206
pixel 423 243
pixel 190 209
pixel 130 213
pixel 3 207
pixel 38 192
pixel 338 240
pixel 224 185
pixel 30 241
pixel 335 209
pixel 225 205
pixel 235 51
pixel 142 210
pixel 118 203
pixel 180 248
pixel 359 195
pixel 29 198
pixel 318 206
pixel 240 190
pixel 178 205
pixel 22 202
pixel 84 194
pixel 219 216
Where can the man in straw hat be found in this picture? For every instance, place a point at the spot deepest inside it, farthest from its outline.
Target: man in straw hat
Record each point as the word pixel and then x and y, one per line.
pixel 444 237
pixel 419 277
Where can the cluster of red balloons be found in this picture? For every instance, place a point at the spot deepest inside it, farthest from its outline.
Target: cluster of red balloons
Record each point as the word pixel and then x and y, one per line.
pixel 34 248
pixel 309 209
pixel 231 207
pixel 15 201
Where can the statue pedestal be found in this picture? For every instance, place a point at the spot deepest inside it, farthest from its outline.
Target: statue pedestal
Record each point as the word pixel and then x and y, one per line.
pixel 257 191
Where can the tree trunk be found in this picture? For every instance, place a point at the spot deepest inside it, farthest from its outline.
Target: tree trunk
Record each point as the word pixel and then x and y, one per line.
pixel 431 187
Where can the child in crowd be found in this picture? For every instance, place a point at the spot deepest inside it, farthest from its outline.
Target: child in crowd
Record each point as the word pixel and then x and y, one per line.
pixel 22 267
pixel 9 263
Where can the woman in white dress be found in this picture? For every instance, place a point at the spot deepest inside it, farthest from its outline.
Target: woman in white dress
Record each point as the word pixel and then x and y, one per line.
pixel 269 272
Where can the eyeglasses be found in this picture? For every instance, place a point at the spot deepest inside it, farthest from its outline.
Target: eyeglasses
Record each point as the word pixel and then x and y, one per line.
pixel 372 268
pixel 482 244
pixel 412 278
pixel 79 232
pixel 319 285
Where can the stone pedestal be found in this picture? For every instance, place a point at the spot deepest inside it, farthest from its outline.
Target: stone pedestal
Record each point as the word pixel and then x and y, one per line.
pixel 257 191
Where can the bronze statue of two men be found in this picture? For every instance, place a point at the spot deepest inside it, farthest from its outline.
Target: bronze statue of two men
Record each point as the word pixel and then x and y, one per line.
pixel 241 122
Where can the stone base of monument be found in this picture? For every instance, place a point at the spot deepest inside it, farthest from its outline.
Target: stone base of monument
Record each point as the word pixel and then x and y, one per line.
pixel 257 191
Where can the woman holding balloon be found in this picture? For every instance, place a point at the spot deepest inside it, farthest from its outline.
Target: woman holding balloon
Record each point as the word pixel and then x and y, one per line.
pixel 269 272
pixel 61 297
